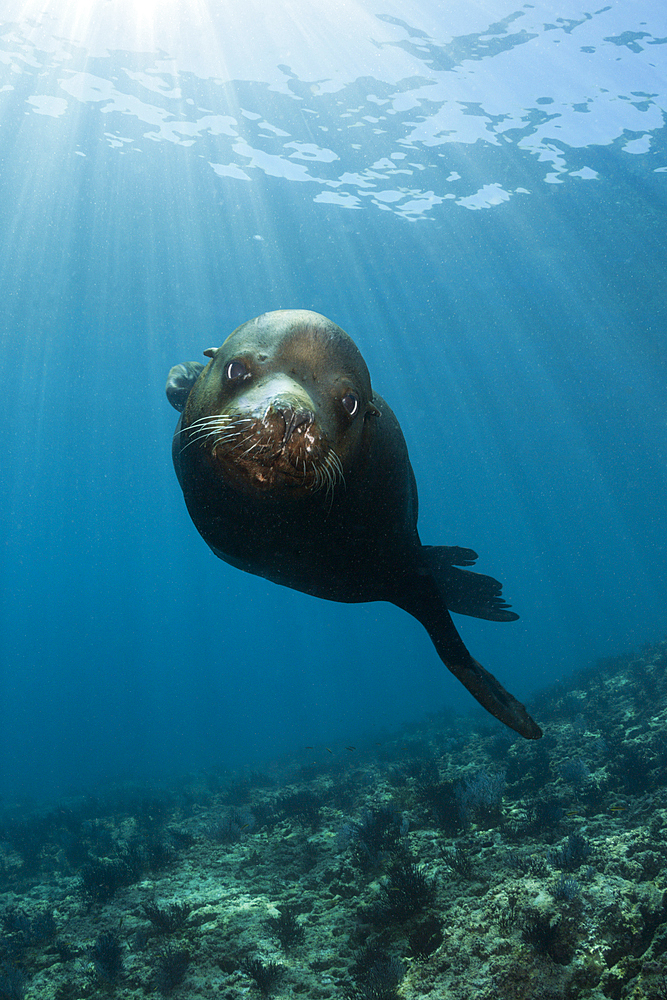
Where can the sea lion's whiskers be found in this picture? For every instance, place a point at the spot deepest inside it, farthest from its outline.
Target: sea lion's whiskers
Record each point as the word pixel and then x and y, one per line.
pixel 257 443
pixel 319 477
pixel 328 475
pixel 209 418
pixel 209 427
pixel 204 432
pixel 338 465
pixel 200 437
pixel 189 428
pixel 232 434
pixel 216 419
pixel 252 447
pixel 332 478
pixel 205 426
pixel 220 421
pixel 332 474
pixel 229 436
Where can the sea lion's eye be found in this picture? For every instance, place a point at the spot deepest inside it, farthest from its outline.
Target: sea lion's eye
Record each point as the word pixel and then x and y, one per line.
pixel 236 369
pixel 350 403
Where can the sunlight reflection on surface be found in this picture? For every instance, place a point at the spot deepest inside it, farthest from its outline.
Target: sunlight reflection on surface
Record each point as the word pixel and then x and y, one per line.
pixel 367 103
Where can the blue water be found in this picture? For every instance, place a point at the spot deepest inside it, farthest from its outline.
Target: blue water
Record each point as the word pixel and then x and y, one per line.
pixel 477 194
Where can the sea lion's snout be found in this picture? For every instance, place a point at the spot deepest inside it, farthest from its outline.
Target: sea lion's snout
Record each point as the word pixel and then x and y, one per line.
pixel 267 437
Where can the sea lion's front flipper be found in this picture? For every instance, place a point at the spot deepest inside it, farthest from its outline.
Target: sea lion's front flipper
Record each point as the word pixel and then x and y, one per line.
pixel 179 382
pixel 423 602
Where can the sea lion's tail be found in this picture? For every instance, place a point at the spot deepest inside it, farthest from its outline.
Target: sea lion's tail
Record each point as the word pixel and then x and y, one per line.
pixel 425 601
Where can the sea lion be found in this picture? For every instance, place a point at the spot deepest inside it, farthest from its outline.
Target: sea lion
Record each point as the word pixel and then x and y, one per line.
pixel 294 469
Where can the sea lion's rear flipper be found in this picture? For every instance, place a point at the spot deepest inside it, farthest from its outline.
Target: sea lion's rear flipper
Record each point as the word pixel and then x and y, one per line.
pixel 180 380
pixel 464 592
pixel 490 693
pixel 424 602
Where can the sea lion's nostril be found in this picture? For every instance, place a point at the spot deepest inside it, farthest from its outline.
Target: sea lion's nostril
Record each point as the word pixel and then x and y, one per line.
pixel 294 419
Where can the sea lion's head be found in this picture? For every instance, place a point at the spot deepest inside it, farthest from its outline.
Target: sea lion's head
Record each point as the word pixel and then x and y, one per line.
pixel 280 406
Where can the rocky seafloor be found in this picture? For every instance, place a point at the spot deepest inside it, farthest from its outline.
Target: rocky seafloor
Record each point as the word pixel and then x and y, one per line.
pixel 447 861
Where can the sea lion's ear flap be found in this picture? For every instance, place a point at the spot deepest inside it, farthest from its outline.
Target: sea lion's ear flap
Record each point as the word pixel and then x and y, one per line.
pixel 211 352
pixel 180 381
